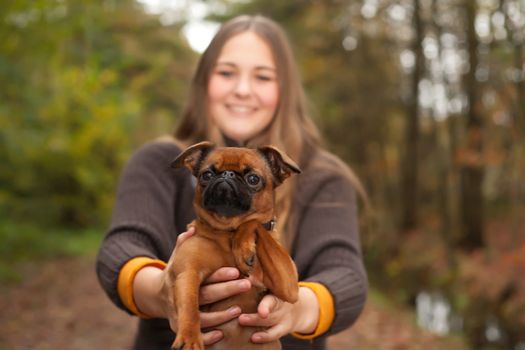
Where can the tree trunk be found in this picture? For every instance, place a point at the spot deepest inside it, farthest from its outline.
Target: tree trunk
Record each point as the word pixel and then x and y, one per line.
pixel 409 175
pixel 519 61
pixel 472 171
pixel 444 136
pixel 517 42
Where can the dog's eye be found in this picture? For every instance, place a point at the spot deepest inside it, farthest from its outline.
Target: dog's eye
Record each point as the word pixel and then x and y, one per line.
pixel 253 180
pixel 207 175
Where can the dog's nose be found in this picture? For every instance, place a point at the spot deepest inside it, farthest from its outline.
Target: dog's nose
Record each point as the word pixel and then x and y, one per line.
pixel 228 174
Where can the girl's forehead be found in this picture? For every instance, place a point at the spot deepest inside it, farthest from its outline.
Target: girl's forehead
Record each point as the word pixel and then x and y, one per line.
pixel 246 47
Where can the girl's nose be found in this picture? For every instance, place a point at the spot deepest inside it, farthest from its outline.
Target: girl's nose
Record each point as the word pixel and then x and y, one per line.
pixel 243 87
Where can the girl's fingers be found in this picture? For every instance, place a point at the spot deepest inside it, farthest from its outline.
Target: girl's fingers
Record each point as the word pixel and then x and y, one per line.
pixel 212 319
pixel 214 292
pixel 271 334
pixel 254 320
pixel 212 337
pixel 267 313
pixel 222 275
pixel 271 313
pixel 185 235
pixel 268 304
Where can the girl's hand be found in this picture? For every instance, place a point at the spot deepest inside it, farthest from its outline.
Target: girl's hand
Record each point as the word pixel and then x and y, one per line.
pixel 222 284
pixel 283 318
pixel 153 288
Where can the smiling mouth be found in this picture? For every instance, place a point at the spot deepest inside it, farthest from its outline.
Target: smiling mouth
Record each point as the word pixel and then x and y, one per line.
pixel 241 109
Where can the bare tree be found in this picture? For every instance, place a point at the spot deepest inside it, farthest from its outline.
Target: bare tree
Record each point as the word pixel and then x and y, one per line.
pixel 472 164
pixel 514 13
pixel 409 176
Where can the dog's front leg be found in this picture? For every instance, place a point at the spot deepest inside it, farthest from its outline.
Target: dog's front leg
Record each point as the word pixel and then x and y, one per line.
pixel 244 249
pixel 186 299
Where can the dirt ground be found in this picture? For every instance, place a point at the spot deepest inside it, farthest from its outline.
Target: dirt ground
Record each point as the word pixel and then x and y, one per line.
pixel 59 305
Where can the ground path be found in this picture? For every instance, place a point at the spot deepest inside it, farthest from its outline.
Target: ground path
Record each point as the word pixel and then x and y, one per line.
pixel 60 306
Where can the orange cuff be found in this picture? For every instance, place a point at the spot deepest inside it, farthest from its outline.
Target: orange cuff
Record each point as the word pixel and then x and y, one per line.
pixel 326 310
pixel 126 278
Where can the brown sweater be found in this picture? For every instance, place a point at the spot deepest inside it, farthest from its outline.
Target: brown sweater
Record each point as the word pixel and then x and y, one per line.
pixel 154 204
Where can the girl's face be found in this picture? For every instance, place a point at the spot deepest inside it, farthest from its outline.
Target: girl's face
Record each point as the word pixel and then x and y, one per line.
pixel 243 91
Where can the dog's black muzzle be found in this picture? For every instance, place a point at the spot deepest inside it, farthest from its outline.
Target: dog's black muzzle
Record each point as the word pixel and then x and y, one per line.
pixel 227 195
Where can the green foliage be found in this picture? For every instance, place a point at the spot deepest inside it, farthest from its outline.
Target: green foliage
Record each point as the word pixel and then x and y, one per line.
pixel 62 163
pixel 82 84
pixel 23 242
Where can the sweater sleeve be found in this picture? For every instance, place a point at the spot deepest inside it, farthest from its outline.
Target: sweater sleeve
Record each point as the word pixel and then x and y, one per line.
pixel 327 247
pixel 142 223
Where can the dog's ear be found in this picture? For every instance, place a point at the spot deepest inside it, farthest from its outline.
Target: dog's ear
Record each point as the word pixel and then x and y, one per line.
pixel 278 270
pixel 260 256
pixel 192 156
pixel 280 164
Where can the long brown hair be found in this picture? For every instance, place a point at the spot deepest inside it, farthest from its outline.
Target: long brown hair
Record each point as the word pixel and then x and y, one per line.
pixel 291 129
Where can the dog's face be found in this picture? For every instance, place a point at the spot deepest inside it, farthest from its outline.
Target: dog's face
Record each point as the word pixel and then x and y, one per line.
pixel 235 184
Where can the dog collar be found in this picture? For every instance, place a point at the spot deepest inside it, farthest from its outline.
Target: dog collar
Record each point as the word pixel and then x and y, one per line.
pixel 270 225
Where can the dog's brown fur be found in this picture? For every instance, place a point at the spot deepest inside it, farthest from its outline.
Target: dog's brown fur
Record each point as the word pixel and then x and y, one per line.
pixel 241 241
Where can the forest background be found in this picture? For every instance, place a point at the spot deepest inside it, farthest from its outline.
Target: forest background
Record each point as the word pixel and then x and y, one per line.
pixel 425 99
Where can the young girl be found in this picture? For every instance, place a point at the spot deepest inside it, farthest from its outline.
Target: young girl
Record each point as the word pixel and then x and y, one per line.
pixel 246 92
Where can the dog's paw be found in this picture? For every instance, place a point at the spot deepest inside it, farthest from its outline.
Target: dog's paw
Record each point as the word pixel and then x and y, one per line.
pixel 189 341
pixel 245 260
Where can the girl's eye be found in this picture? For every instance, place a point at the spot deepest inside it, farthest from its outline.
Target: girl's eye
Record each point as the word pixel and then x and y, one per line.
pixel 253 180
pixel 225 73
pixel 264 77
pixel 207 175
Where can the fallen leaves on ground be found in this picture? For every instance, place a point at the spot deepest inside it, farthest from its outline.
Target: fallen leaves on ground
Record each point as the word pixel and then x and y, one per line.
pixel 60 305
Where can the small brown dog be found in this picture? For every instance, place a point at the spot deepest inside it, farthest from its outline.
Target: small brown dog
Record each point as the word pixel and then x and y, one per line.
pixel 234 203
